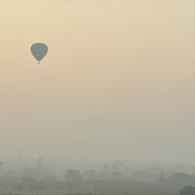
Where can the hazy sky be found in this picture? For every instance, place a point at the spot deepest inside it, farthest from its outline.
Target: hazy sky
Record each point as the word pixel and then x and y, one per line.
pixel 117 72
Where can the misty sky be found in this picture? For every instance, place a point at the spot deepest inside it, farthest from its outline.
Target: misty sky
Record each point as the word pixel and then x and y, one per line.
pixel 117 72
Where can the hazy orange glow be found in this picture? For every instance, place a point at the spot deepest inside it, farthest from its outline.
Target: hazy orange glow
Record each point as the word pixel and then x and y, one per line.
pixel 116 72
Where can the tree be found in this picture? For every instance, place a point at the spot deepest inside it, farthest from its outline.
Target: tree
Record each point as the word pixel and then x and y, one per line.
pixel 1 166
pixel 187 190
pixel 91 174
pixel 72 175
pixel 115 175
pixel 104 175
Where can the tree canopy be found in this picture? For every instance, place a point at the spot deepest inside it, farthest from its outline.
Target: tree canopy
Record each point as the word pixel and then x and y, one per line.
pixel 187 190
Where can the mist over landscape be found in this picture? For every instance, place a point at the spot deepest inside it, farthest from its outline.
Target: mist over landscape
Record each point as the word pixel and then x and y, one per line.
pixel 97 97
pixel 97 152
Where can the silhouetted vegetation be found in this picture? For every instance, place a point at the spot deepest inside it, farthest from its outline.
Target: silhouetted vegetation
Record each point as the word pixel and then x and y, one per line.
pixel 187 190
pixel 44 176
pixel 27 184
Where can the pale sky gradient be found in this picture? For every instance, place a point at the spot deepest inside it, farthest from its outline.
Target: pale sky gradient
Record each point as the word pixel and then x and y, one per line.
pixel 118 72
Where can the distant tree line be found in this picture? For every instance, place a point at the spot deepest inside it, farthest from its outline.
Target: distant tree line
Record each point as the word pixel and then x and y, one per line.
pixel 75 184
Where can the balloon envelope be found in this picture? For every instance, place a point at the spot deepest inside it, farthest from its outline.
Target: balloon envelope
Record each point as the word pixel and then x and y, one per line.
pixel 39 50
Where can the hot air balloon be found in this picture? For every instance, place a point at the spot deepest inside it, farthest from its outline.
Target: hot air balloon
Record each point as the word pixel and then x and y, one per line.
pixel 39 50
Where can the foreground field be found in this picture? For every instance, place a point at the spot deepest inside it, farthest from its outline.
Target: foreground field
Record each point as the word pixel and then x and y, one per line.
pixel 111 193
pixel 29 186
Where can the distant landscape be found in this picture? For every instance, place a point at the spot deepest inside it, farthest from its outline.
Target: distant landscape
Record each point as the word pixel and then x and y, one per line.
pixel 42 175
